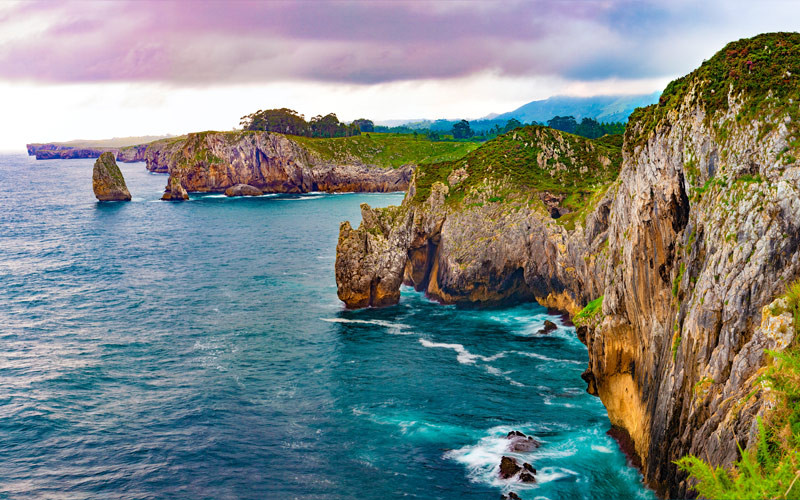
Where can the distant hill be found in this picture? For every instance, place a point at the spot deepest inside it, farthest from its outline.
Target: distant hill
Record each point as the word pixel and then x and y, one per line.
pixel 116 142
pixel 604 108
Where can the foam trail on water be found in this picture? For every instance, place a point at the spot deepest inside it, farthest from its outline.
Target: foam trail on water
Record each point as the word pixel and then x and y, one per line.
pixel 463 355
pixel 396 328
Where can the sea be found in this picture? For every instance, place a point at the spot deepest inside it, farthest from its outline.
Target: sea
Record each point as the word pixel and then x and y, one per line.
pixel 157 350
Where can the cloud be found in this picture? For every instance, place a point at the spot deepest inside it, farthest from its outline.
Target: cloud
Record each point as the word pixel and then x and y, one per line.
pixel 237 42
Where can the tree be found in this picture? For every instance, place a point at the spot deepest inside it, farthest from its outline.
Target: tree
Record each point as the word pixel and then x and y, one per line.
pixel 364 125
pixel 284 121
pixel 563 123
pixel 511 125
pixel 461 130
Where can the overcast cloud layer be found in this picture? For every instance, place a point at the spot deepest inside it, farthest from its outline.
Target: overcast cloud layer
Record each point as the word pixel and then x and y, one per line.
pixel 206 43
pixel 167 66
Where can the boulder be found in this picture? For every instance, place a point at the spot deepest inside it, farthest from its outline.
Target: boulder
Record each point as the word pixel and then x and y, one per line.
pixel 174 190
pixel 520 443
pixel 526 477
pixel 549 326
pixel 511 496
pixel 243 190
pixel 509 467
pixel 107 180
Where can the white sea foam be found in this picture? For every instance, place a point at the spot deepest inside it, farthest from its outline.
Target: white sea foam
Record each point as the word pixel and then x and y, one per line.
pixel 463 355
pixel 301 198
pixel 545 358
pixel 396 328
pixel 602 449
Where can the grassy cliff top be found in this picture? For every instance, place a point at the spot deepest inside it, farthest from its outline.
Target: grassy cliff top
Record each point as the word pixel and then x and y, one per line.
pixel 528 160
pixel 382 150
pixel 764 67
pixel 385 150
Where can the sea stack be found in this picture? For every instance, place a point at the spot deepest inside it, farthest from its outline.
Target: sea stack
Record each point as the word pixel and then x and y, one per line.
pixel 175 190
pixel 107 180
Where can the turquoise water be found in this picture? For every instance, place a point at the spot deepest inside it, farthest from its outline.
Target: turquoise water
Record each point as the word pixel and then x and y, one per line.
pixel 198 350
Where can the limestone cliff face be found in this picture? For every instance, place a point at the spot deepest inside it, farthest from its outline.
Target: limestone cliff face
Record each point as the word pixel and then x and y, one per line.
pixel 704 233
pixel 216 161
pixel 689 247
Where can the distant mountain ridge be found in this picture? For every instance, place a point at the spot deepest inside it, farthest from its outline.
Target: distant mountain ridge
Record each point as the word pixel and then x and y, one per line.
pixel 603 108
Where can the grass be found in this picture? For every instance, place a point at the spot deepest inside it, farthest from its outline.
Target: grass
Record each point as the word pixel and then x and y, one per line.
pixel 386 150
pixel 589 312
pixel 530 160
pixel 771 468
pixel 764 70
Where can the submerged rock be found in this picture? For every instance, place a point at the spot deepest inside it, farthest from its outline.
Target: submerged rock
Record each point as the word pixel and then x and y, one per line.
pixel 511 496
pixel 549 326
pixel 243 190
pixel 520 443
pixel 175 191
pixel 107 180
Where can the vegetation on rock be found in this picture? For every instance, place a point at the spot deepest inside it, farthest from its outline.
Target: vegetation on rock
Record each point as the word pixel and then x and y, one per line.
pixel 770 469
pixel 526 162
pixel 759 69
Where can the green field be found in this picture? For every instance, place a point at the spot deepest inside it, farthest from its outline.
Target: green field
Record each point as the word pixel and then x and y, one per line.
pixel 386 150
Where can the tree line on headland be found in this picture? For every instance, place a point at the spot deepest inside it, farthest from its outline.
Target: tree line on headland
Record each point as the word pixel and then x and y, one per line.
pixel 288 121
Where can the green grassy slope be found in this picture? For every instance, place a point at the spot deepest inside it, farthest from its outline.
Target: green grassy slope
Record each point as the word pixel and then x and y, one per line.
pixel 532 160
pixel 385 150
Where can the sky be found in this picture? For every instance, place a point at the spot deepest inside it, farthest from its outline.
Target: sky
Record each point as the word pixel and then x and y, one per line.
pixel 101 69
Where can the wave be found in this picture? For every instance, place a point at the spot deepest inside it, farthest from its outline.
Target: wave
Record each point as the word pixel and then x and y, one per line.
pixel 398 328
pixel 463 355
pixel 545 358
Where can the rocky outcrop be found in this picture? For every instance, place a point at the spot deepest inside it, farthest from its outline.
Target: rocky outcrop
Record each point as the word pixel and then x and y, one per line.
pixel 689 249
pixel 243 190
pixel 481 250
pixel 107 180
pixel 273 163
pixel 174 191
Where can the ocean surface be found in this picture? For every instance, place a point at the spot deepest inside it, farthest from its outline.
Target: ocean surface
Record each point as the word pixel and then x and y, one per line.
pixel 155 350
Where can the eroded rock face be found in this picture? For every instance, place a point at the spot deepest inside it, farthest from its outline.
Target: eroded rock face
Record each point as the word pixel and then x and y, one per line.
pixel 107 181
pixel 704 233
pixel 273 163
pixel 483 255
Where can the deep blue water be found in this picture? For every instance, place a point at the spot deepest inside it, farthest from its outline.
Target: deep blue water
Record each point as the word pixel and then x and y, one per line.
pixel 198 350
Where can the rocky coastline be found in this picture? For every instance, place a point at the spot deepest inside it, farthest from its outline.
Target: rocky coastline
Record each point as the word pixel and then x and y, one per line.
pixel 683 255
pixel 214 162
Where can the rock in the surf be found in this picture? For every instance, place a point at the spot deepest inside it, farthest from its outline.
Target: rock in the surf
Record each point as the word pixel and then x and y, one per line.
pixel 243 190
pixel 509 467
pixel 107 180
pixel 549 326
pixel 175 190
pixel 511 496
pixel 520 443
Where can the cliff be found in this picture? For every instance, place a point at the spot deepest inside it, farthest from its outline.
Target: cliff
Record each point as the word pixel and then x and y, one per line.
pixel 126 149
pixel 685 249
pixel 513 220
pixel 216 161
